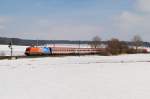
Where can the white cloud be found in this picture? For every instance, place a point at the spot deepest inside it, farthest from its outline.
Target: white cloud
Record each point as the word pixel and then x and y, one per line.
pixel 70 31
pixel 130 23
pixel 2 27
pixel 127 22
pixel 143 5
pixel 46 28
pixel 3 21
pixel 78 31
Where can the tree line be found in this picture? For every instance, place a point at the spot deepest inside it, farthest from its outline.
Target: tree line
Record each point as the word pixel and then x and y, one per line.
pixel 114 46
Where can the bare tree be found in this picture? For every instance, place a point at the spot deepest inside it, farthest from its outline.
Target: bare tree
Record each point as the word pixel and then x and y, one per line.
pixel 96 42
pixel 114 46
pixel 137 42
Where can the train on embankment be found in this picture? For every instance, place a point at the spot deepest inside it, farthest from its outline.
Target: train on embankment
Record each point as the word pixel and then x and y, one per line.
pixel 37 51
pixel 78 50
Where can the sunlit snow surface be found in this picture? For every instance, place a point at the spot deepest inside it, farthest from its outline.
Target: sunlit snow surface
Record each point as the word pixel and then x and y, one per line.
pixel 84 77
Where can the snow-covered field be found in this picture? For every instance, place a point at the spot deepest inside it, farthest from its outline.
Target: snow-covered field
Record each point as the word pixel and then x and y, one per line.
pixel 17 50
pixel 84 77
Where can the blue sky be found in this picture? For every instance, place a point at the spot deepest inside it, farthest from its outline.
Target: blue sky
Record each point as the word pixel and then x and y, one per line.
pixel 70 19
pixel 46 7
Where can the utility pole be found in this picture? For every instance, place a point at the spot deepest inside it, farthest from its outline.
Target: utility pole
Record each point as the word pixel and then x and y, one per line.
pixel 79 44
pixel 37 42
pixel 79 48
pixel 53 43
pixel 11 49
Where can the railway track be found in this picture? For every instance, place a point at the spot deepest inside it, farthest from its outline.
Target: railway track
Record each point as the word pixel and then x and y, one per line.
pixel 42 56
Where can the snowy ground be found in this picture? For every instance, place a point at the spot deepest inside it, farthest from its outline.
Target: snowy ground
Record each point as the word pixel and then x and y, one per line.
pixel 17 50
pixel 84 77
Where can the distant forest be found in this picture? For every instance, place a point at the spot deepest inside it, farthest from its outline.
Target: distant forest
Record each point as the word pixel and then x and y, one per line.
pixel 26 42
